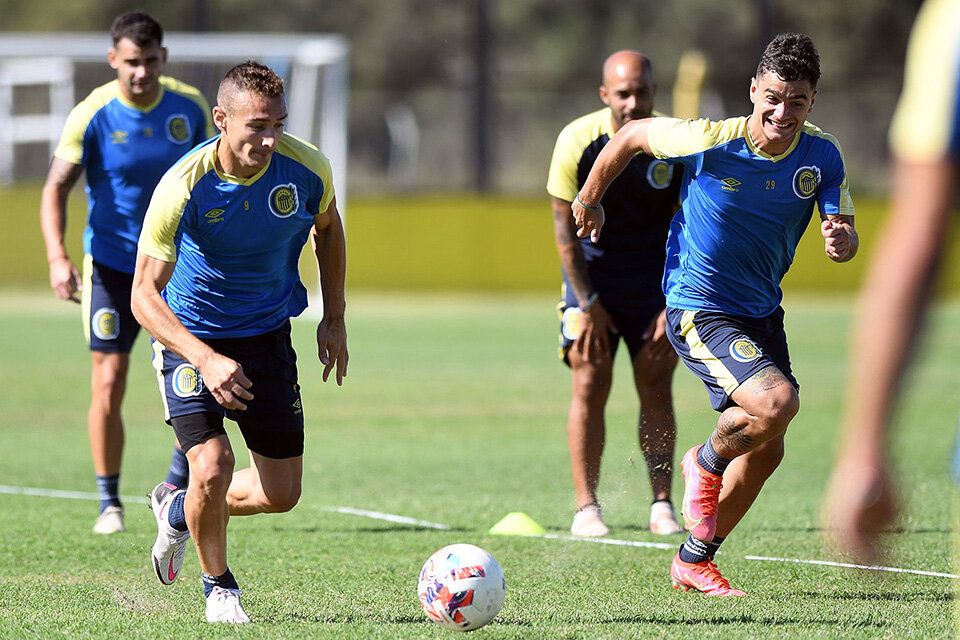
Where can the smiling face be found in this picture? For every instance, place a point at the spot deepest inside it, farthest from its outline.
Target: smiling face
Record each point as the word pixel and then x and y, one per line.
pixel 138 69
pixel 251 126
pixel 779 110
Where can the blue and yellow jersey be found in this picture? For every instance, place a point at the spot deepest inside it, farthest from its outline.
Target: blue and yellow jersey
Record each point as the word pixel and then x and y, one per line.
pixel 744 211
pixel 125 148
pixel 237 241
pixel 926 125
pixel 638 205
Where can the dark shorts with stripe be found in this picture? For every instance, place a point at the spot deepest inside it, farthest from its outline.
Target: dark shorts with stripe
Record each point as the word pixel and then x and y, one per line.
pixel 272 423
pixel 724 351
pixel 631 315
pixel 109 324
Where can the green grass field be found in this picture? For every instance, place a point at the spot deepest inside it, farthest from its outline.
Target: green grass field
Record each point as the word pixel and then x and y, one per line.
pixel 454 413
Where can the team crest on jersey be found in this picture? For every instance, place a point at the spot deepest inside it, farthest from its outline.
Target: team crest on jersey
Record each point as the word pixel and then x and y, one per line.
pixel 106 323
pixel 187 381
pixel 284 200
pixel 805 181
pixel 570 325
pixel 743 350
pixel 659 174
pixel 178 128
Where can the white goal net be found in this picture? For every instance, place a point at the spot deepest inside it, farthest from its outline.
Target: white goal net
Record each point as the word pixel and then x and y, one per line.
pixel 42 75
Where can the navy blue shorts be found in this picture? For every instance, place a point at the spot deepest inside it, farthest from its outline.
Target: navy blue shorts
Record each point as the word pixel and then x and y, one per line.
pixel 108 322
pixel 631 315
pixel 725 350
pixel 272 423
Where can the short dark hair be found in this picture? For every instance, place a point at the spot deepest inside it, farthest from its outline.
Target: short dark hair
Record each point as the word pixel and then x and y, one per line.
pixel 138 27
pixel 791 56
pixel 251 76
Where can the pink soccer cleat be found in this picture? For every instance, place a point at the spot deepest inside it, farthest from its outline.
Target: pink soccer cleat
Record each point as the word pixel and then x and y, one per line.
pixel 701 492
pixel 700 576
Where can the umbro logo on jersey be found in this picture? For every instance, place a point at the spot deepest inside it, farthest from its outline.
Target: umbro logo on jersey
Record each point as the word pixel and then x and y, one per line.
pixel 214 215
pixel 119 136
pixel 731 184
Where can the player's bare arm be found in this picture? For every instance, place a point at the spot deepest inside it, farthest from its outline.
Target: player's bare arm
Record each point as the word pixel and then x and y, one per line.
pixel 64 277
pixel 592 343
pixel 330 249
pixel 223 376
pixel 840 237
pixel 630 140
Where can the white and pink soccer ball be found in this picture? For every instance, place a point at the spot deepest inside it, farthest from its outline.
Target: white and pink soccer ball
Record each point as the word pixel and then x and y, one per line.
pixel 461 587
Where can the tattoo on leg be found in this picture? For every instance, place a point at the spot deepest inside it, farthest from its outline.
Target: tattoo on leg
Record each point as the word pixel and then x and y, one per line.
pixel 766 379
pixel 730 434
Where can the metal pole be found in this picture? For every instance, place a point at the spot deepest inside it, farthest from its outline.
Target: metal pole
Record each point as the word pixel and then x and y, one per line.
pixel 482 124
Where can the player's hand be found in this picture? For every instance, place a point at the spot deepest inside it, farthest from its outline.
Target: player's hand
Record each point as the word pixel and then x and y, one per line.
pixel 860 504
pixel 65 279
pixel 589 221
pixel 656 343
pixel 226 380
pixel 840 240
pixel 593 341
pixel 332 348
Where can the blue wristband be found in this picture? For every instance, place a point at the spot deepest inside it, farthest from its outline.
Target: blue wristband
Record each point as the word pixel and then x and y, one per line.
pixel 593 298
pixel 585 205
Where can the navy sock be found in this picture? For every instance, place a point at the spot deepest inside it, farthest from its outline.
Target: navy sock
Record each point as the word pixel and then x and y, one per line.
pixel 226 581
pixel 714 546
pixel 711 461
pixel 179 473
pixel 109 489
pixel 694 550
pixel 176 516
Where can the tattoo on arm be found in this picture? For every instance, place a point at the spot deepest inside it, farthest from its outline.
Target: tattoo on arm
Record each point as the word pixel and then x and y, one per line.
pixel 571 253
pixel 63 175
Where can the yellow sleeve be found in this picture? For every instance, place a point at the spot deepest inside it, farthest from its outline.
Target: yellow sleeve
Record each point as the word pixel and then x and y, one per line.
pixel 70 147
pixel 672 137
pixel 170 199
pixel 562 180
pixel 923 121
pixel 313 159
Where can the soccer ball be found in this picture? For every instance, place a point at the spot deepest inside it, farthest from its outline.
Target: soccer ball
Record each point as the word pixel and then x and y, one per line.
pixel 461 587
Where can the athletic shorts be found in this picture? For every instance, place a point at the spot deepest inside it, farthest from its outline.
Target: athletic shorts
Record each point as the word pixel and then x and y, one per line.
pixel 272 423
pixel 724 350
pixel 108 322
pixel 630 315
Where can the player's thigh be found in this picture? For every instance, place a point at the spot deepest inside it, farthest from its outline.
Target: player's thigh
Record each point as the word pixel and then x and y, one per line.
pixel 726 351
pixel 109 323
pixel 279 478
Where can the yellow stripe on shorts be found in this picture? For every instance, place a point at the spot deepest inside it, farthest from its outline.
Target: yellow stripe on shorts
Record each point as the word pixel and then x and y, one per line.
pixel 701 352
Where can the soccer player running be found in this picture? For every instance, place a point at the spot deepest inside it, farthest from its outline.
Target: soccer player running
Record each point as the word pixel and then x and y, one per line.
pixel 925 139
pixel 216 285
pixel 126 133
pixel 747 197
pixel 611 289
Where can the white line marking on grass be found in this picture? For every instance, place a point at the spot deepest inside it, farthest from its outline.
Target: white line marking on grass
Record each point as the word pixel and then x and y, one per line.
pixel 613 541
pixel 70 495
pixel 848 565
pixel 389 517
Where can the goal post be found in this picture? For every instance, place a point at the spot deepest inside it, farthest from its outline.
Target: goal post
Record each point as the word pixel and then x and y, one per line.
pixel 313 66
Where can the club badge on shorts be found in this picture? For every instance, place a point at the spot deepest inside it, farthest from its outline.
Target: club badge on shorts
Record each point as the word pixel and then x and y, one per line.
pixel 106 323
pixel 744 350
pixel 187 381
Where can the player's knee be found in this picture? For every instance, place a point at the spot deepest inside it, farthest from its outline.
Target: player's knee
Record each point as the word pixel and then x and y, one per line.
pixel 281 501
pixel 776 408
pixel 591 386
pixel 212 470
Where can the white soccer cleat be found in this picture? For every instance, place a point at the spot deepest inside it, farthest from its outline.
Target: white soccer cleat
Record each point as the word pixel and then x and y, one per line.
pixel 663 520
pixel 588 522
pixel 110 521
pixel 223 605
pixel 167 552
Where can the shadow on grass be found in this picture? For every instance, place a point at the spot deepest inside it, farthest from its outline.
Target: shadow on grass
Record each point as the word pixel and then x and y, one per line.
pixel 734 620
pixel 883 596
